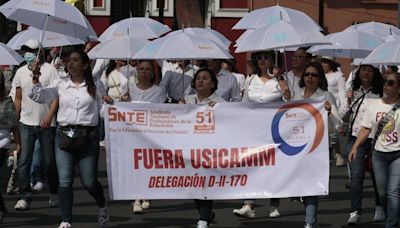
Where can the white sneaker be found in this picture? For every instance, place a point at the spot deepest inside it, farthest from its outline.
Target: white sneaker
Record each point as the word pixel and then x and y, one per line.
pixel 103 216
pixel 137 207
pixel 22 205
pixel 308 225
pixel 102 143
pixel 245 211
pixel 339 161
pixel 65 225
pixel 145 204
pixel 38 187
pixel 354 218
pixel 53 200
pixel 380 214
pixel 274 212
pixel 202 224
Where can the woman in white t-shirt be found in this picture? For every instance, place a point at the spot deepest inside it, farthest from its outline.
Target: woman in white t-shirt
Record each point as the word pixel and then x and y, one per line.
pixel 145 90
pixel 114 81
pixel 264 85
pixel 386 152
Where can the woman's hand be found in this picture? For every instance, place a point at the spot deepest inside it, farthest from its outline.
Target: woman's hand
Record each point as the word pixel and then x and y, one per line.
pixel 182 101
pixel 125 97
pixel 328 106
pixel 108 99
pixel 352 154
pixel 211 104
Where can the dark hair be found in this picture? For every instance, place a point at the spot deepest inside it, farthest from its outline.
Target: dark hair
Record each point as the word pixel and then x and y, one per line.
pixel 394 68
pixel 111 66
pixel 323 83
pixel 332 64
pixel 305 49
pixel 2 85
pixel 254 62
pixel 87 72
pixel 213 79
pixel 153 79
pixel 232 64
pixel 377 81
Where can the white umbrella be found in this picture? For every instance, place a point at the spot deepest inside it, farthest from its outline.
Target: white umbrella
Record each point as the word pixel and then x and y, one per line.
pixel 9 56
pixel 182 46
pixel 120 48
pixel 50 39
pixel 243 36
pixel 378 29
pixel 387 53
pixel 211 34
pixel 49 15
pixel 139 27
pixel 391 38
pixel 281 35
pixel 274 14
pixel 348 44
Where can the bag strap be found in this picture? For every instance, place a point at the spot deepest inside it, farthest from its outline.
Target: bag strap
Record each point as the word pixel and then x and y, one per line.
pixel 382 123
pixel 359 101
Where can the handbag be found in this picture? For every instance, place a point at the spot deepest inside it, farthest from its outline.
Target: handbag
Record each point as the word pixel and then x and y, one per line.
pixel 74 139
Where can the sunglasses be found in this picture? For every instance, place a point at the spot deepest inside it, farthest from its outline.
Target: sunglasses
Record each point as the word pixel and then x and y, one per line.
pixel 389 82
pixel 261 57
pixel 314 75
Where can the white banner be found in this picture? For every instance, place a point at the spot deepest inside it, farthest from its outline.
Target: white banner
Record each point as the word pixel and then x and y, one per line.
pixel 229 151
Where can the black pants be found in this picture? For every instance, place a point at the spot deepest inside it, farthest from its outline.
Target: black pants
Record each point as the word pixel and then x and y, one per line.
pixel 205 209
pixel 3 157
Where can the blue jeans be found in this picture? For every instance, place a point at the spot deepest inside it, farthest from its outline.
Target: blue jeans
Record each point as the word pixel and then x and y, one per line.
pixel 387 174
pixel 29 134
pixel 357 174
pixel 38 167
pixel 87 162
pixel 311 206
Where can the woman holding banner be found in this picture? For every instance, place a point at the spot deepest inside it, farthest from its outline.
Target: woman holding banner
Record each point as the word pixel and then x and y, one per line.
pixel 144 91
pixel 313 85
pixel 77 137
pixel 265 85
pixel 205 83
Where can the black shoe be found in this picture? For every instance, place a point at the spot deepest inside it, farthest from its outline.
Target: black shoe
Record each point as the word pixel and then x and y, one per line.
pixel 3 214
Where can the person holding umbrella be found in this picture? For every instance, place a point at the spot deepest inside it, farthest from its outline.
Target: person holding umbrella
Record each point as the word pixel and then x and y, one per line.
pixel 77 136
pixel 36 122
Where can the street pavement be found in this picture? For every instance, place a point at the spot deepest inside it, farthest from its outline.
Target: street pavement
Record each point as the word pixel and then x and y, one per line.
pixel 333 209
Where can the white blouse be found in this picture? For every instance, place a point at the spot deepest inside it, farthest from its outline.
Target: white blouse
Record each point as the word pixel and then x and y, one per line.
pixel 76 105
pixel 213 98
pixel 115 83
pixel 259 91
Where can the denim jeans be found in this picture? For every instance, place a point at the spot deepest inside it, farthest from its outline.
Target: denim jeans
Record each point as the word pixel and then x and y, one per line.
pixel 357 174
pixel 387 174
pixel 38 167
pixel 29 134
pixel 87 163
pixel 311 206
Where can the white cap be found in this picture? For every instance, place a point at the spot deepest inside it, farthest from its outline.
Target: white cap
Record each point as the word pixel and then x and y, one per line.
pixel 32 44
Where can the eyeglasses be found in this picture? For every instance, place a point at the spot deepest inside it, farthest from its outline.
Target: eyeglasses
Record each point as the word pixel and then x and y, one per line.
pixel 314 75
pixel 389 82
pixel 261 57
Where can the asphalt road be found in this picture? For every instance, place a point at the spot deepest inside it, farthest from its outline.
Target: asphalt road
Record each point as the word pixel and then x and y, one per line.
pixel 333 209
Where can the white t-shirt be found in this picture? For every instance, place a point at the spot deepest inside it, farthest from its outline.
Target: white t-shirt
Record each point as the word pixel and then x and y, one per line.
pixel 115 83
pixel 32 112
pixel 154 94
pixel 336 85
pixel 260 92
pixel 388 140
